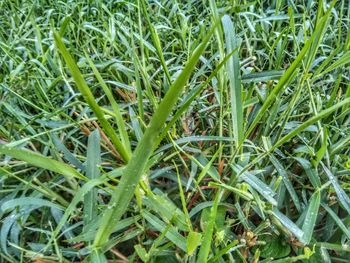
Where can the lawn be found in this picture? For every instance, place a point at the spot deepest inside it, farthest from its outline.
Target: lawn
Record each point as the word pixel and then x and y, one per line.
pixel 175 131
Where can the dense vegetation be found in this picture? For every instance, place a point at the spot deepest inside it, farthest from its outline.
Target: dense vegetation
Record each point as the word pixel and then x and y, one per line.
pixel 174 131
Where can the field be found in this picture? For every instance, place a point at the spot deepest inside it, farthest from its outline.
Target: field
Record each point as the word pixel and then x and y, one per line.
pixel 175 131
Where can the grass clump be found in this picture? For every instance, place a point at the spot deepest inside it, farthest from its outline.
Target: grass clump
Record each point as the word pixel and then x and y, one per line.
pixel 190 131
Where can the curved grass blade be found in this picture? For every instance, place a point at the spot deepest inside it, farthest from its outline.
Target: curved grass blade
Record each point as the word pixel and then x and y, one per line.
pixel 27 201
pixel 43 162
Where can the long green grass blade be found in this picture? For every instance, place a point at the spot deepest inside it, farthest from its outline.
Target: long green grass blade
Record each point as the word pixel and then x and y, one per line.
pixel 118 116
pixel 42 161
pixel 311 121
pixel 86 92
pixel 234 76
pixel 343 197
pixel 204 251
pixel 135 168
pixel 92 172
pixel 311 217
pixel 287 77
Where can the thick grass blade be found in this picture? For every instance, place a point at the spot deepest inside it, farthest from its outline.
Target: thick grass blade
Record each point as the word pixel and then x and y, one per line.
pixel 88 96
pixel 283 173
pixel 92 172
pixel 135 168
pixel 234 76
pixel 310 172
pixel 310 217
pixel 256 184
pixel 204 251
pixel 28 201
pixel 193 241
pixel 343 197
pixel 97 256
pixel 43 162
pixel 337 220
pixel 66 153
pixel 288 224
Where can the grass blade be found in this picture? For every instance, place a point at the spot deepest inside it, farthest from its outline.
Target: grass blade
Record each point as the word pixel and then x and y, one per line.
pixel 311 216
pixel 337 220
pixel 155 40
pixel 256 184
pixel 92 172
pixel 28 201
pixel 310 121
pixel 172 234
pixel 234 76
pixel 288 224
pixel 135 168
pixel 43 162
pixel 283 173
pixel 118 116
pixel 193 241
pixel 203 253
pixel 88 96
pixel 343 197
pixel 285 78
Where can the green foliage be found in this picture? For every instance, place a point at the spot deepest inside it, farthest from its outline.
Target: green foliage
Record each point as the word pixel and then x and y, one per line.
pixel 174 131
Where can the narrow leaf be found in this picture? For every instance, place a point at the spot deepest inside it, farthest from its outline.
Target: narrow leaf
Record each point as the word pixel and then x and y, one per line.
pixel 234 76
pixel 311 216
pixel 343 197
pixel 92 172
pixel 88 96
pixel 42 162
pixel 135 168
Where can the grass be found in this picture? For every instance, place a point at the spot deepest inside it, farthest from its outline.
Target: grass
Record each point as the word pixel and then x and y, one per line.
pixel 177 131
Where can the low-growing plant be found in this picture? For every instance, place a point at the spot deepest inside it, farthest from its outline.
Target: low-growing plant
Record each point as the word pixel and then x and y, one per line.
pixel 191 131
